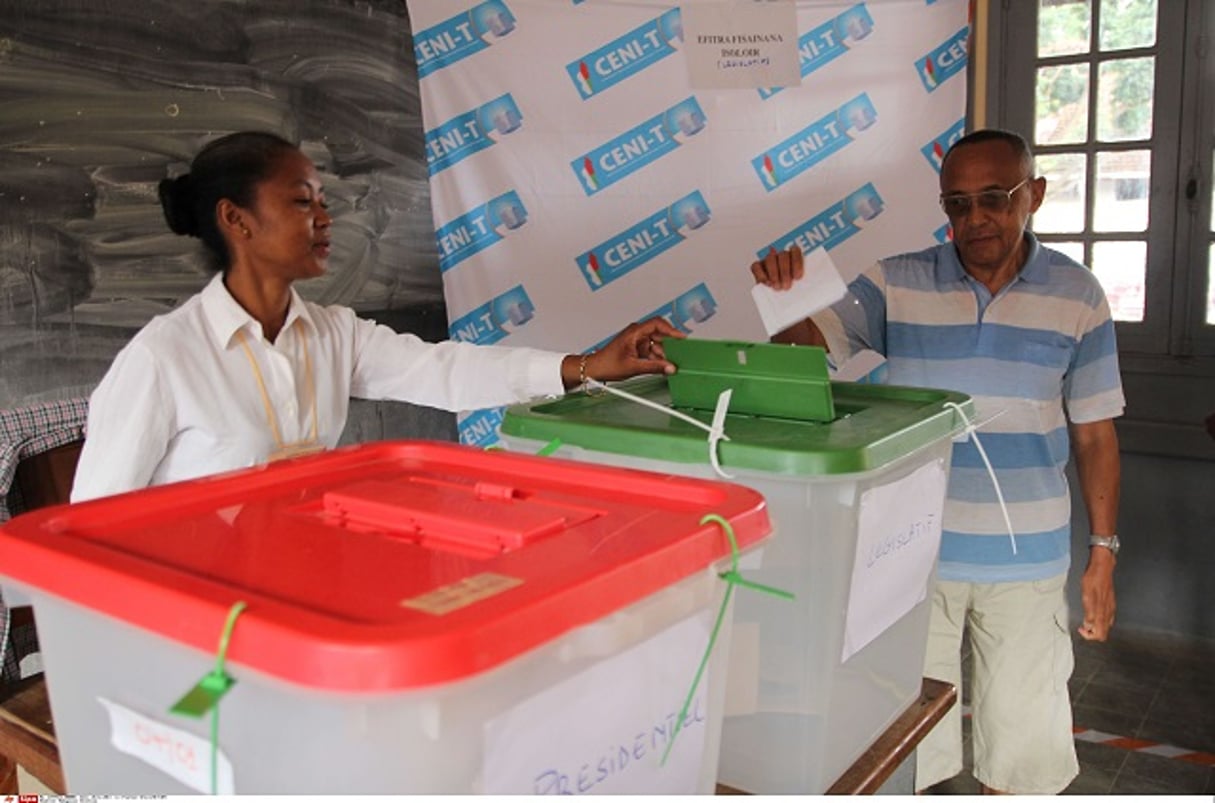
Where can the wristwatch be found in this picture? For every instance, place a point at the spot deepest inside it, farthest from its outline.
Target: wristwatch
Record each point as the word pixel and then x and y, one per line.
pixel 1110 542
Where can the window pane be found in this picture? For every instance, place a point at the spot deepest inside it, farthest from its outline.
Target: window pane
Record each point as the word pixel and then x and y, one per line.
pixel 1127 23
pixel 1063 27
pixel 1124 89
pixel 1211 285
pixel 1122 182
pixel 1061 114
pixel 1120 267
pixel 1071 249
pixel 1062 209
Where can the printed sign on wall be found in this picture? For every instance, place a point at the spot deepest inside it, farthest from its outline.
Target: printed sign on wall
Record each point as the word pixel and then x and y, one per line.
pixel 580 182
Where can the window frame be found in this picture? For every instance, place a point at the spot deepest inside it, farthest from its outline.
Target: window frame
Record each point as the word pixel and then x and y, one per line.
pixel 1196 223
pixel 1168 360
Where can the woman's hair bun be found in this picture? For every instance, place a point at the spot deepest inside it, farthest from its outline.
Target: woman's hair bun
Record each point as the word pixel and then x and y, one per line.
pixel 178 202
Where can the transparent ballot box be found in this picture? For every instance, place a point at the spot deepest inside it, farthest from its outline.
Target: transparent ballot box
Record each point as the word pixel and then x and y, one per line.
pixel 392 618
pixel 855 478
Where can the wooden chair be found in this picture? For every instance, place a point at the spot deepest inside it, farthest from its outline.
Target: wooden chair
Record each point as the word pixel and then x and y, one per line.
pixel 46 478
pixel 27 735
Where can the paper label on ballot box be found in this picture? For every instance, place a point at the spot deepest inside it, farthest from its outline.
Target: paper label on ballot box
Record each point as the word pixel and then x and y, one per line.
pixel 175 752
pixel 605 730
pixel 899 533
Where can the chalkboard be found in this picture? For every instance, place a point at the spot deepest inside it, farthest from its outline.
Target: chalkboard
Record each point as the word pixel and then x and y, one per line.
pixel 100 99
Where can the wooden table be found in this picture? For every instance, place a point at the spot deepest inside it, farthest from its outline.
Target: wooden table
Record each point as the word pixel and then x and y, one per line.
pixel 894 746
pixel 27 736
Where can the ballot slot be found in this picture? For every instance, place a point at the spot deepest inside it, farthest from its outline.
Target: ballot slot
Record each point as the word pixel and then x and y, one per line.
pixel 765 379
pixel 481 517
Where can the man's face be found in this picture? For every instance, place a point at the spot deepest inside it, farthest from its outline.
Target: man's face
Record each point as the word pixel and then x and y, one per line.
pixel 988 223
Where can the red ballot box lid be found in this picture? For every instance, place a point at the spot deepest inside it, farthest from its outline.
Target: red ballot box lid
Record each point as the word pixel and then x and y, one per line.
pixel 384 566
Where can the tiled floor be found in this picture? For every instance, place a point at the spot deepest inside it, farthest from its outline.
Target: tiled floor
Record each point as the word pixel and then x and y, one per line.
pixel 1149 686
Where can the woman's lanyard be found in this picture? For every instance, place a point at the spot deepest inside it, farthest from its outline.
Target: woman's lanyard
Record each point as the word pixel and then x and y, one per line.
pixel 312 444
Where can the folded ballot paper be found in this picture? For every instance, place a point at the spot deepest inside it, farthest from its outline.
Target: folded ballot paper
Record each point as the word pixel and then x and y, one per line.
pixel 821 287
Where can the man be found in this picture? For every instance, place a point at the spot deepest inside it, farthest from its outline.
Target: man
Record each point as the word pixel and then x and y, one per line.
pixel 1026 332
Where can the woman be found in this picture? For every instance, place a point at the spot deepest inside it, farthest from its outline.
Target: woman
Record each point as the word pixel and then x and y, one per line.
pixel 246 371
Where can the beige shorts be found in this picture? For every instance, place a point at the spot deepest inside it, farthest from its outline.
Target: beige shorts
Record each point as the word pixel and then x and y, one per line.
pixel 1021 713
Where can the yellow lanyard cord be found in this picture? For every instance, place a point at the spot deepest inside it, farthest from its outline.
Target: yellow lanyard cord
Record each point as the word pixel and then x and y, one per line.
pixel 271 417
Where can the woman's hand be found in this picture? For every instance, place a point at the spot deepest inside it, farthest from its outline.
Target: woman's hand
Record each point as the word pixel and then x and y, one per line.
pixel 636 350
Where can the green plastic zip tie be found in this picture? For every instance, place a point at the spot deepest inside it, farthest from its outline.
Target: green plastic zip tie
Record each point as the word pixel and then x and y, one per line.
pixel 732 578
pixel 206 694
pixel 550 447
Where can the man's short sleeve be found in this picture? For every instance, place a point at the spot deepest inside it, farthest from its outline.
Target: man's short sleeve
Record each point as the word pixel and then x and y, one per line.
pixel 1092 389
pixel 858 320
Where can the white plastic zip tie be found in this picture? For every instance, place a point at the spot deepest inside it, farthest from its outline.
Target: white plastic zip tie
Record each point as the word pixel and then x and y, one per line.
pixel 965 433
pixel 972 431
pixel 716 430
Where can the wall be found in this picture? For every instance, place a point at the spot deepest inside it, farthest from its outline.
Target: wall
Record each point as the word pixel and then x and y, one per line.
pixel 100 99
pixel 1167 514
pixel 1167 562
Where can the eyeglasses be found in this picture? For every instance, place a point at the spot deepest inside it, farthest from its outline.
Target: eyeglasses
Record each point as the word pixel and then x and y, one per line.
pixel 959 204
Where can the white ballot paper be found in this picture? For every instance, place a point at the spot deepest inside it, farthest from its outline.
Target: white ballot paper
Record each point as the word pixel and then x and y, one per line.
pixel 821 287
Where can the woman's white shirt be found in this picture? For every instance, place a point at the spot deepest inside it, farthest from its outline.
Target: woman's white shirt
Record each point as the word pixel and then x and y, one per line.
pixel 182 400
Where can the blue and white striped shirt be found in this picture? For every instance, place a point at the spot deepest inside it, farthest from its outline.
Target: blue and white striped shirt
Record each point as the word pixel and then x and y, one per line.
pixel 1043 345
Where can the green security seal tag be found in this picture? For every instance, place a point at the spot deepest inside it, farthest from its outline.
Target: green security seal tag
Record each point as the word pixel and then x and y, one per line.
pixel 207 693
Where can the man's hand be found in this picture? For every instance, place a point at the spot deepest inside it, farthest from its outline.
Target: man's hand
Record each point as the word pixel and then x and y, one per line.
pixel 1099 467
pixel 779 269
pixel 1097 595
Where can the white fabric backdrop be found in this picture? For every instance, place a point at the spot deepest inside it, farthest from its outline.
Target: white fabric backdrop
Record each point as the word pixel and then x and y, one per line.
pixel 571 200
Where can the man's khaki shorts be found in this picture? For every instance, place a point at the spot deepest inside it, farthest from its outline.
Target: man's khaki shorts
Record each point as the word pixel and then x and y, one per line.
pixel 1020 708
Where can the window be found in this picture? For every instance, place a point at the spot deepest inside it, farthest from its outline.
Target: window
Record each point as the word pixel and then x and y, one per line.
pixel 1118 99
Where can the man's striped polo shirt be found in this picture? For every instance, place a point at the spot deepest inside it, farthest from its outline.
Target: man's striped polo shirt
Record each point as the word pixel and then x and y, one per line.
pixel 1042 345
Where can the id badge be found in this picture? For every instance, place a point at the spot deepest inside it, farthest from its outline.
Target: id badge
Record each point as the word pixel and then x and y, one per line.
pixel 297 449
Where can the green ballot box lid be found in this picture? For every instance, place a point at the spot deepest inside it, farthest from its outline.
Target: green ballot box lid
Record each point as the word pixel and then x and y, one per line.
pixel 868 425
